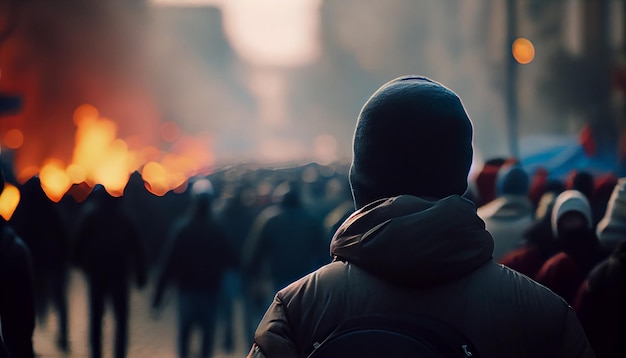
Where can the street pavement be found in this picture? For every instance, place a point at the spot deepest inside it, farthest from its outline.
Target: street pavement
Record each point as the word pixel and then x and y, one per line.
pixel 150 336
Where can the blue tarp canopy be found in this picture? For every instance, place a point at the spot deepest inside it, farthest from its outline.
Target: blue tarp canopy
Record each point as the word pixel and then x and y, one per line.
pixel 561 155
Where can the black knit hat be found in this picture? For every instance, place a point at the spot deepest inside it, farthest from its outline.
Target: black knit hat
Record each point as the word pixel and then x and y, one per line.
pixel 413 137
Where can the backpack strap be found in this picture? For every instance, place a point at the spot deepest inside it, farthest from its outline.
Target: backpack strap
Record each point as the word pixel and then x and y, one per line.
pixel 383 335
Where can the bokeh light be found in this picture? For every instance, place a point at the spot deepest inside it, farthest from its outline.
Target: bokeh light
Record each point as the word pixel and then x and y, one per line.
pixel 14 138
pixel 54 180
pixel 523 51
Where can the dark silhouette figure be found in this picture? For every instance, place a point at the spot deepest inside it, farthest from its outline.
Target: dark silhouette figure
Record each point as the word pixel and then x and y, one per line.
pixel 237 214
pixel 285 242
pixel 415 246
pixel 109 251
pixel 17 305
pixel 195 260
pixel 511 212
pixel 582 181
pixel 38 222
pixel 486 181
pixel 600 305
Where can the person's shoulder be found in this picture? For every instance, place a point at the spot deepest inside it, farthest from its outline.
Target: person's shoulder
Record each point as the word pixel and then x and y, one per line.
pixel 511 287
pixel 317 284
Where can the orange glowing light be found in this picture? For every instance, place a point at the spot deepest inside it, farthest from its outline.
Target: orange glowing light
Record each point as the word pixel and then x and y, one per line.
pixel 100 157
pixel 114 169
pixel 170 131
pixel 54 180
pixel 93 138
pixel 9 199
pixel 156 177
pixel 27 173
pixel 523 51
pixel 77 173
pixel 182 188
pixel 14 138
pixel 149 154
pixel 85 112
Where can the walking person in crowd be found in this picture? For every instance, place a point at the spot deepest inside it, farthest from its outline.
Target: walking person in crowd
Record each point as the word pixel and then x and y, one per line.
pixel 237 214
pixel 38 222
pixel 109 251
pixel 17 305
pixel 511 212
pixel 195 260
pixel 285 242
pixel 415 246
pixel 572 222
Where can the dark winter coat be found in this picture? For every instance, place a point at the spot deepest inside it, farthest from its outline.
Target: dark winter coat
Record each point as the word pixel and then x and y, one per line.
pixel 410 256
pixel 197 256
pixel 17 306
pixel 600 305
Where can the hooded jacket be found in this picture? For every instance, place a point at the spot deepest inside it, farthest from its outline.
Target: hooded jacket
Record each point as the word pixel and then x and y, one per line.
pixel 410 256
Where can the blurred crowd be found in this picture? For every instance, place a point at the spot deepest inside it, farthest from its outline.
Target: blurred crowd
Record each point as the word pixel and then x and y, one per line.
pixel 243 232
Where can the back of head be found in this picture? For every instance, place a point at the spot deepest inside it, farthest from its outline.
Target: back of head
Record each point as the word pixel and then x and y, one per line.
pixel 582 181
pixel 202 195
pixel 571 201
pixel 512 180
pixel 289 194
pixel 412 137
pixel 486 180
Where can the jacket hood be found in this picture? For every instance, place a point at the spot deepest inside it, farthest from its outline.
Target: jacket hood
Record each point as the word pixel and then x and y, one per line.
pixel 415 242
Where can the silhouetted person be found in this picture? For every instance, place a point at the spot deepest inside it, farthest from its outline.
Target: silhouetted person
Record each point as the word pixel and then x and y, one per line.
pixel 539 241
pixel 285 242
pixel 507 216
pixel 109 251
pixel 17 306
pixel 415 246
pixel 237 215
pixel 195 261
pixel 601 307
pixel 486 181
pixel 572 224
pixel 38 222
pixel 582 181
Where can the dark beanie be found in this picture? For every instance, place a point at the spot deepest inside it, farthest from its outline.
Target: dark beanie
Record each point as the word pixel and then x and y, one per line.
pixel 412 137
pixel 512 180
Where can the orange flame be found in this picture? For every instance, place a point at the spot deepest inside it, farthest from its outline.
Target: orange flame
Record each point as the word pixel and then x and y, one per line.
pixel 54 180
pixel 9 199
pixel 100 157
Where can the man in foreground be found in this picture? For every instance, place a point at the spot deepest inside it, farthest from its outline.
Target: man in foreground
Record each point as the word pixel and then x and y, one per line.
pixel 415 246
